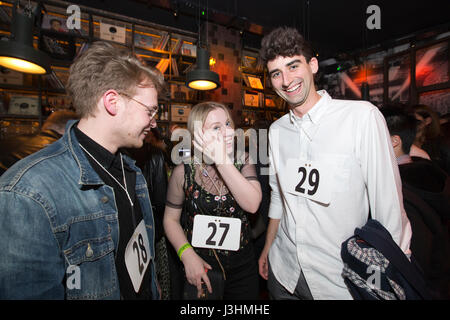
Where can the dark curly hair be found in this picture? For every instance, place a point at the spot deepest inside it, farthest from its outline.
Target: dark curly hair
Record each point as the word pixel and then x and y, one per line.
pixel 285 42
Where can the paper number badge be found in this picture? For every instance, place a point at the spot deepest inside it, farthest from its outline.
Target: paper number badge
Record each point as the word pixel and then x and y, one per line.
pixel 309 179
pixel 216 232
pixel 137 255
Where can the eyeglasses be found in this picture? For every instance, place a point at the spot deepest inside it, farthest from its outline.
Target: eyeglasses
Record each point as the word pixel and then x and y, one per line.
pixel 151 110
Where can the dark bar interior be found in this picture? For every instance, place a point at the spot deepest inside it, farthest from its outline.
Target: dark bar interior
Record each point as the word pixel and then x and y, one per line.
pixel 357 98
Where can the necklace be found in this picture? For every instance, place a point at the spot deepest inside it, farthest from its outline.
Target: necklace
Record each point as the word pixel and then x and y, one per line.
pixel 213 181
pixel 124 186
pixel 221 210
pixel 220 205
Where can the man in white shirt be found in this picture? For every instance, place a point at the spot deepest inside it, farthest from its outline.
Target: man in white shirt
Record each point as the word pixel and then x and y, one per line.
pixel 332 160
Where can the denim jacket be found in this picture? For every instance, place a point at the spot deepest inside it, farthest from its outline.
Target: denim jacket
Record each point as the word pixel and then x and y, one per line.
pixel 59 228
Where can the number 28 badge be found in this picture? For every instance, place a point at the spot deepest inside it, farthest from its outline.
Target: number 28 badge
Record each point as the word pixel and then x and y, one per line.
pixel 137 255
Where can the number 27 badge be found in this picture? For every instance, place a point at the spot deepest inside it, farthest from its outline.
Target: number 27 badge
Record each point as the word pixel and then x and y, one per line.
pixel 216 232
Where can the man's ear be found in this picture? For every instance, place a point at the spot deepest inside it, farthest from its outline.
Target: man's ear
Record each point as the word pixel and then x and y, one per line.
pixel 396 141
pixel 314 65
pixel 110 101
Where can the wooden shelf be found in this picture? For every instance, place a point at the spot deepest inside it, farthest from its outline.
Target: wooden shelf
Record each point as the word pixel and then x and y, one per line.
pixel 91 18
pixel 19 117
pixel 28 89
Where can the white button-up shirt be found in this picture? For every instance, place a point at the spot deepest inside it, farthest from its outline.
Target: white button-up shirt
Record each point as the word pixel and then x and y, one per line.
pixel 351 140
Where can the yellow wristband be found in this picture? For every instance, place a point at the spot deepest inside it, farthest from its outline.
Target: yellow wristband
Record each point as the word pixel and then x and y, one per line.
pixel 185 246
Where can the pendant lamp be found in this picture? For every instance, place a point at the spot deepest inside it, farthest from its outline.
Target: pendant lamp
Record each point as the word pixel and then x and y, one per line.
pixel 18 53
pixel 202 78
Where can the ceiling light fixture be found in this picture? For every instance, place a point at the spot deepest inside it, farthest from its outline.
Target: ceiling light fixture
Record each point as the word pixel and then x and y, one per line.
pixel 18 53
pixel 202 78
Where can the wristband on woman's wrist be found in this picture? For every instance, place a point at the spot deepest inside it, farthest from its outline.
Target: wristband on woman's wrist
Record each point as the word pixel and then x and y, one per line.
pixel 183 248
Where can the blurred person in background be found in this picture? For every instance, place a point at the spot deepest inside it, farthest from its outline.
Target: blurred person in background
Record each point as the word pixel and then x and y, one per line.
pixel 426 197
pixel 18 147
pixel 429 136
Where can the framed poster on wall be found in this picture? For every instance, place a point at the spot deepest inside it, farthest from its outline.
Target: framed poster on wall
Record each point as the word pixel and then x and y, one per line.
pixel 251 99
pixel 398 78
pixel 144 40
pixel 432 65
pixel 24 105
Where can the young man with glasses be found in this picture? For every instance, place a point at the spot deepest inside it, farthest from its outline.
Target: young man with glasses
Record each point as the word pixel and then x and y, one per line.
pixel 76 219
pixel 151 110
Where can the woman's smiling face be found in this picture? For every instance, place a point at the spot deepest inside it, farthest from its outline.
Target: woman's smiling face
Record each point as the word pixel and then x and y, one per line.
pixel 217 122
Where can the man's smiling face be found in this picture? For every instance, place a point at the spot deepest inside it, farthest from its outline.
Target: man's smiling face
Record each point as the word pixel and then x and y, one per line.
pixel 293 78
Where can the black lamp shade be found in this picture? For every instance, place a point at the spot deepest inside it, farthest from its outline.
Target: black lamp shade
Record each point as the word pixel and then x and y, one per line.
pixel 20 57
pixel 18 53
pixel 201 78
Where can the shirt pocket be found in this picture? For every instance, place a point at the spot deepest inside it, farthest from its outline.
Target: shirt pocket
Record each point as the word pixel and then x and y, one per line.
pixel 341 169
pixel 91 272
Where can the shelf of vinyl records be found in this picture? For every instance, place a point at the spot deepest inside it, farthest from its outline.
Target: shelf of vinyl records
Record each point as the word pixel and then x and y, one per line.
pixel 250 116
pixel 262 99
pixel 257 94
pixel 170 52
pixel 251 62
pixel 25 97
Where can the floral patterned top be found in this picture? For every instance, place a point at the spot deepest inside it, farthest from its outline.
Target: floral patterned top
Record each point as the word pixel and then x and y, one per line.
pixel 197 200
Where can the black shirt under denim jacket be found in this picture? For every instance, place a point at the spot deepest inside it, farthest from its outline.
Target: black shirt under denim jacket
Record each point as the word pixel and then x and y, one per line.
pixel 128 218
